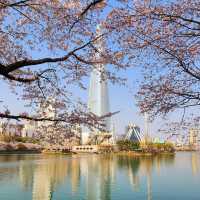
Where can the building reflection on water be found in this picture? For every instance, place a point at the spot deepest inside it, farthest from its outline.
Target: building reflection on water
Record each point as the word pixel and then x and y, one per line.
pixel 195 162
pixel 47 175
pixel 96 175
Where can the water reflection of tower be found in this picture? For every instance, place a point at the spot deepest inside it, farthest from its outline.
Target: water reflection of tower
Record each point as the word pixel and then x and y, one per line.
pixel 195 162
pixel 90 172
pixel 97 177
pixel 75 174
pixel 107 177
pixel 149 187
pixel 41 185
pixel 26 174
pixel 46 176
pixel 147 164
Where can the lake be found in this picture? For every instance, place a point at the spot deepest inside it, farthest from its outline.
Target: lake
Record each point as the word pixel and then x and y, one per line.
pixel 100 177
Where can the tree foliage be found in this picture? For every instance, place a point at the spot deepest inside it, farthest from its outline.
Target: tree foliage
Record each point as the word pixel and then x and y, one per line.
pixel 47 46
pixel 164 36
pixel 127 145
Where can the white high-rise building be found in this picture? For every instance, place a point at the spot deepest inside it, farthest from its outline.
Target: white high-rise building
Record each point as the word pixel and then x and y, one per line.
pixel 98 99
pixel 98 102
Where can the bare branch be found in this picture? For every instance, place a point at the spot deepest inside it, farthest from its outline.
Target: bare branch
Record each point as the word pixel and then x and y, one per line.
pixel 19 3
pixel 88 7
pixel 23 63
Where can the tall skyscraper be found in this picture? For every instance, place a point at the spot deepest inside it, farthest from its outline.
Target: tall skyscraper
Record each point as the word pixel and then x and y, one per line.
pixel 98 102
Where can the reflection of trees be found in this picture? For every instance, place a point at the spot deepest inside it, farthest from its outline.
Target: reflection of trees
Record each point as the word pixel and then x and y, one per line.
pixel 131 164
pixel 136 166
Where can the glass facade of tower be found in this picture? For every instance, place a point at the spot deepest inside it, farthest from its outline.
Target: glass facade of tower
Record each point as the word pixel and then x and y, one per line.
pixel 98 102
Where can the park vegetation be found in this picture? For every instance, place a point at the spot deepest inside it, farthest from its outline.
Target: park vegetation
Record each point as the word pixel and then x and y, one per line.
pixel 7 138
pixel 127 145
pixel 149 147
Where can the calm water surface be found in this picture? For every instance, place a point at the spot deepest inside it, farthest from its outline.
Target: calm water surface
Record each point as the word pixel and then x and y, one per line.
pixel 98 177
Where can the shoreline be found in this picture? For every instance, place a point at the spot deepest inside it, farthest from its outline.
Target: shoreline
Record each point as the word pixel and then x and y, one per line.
pixel 121 153
pixel 30 148
pixel 133 153
pixel 20 152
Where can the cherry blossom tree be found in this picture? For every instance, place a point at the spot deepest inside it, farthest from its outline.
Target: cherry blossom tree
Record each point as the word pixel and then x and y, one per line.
pixel 48 45
pixel 163 37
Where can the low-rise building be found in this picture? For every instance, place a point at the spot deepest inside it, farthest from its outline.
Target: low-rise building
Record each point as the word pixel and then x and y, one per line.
pixel 133 133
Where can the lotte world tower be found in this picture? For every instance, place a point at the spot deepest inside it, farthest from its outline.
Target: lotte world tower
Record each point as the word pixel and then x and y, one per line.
pixel 98 101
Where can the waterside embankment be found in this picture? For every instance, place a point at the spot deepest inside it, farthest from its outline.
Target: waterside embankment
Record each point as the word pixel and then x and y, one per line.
pixel 19 147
